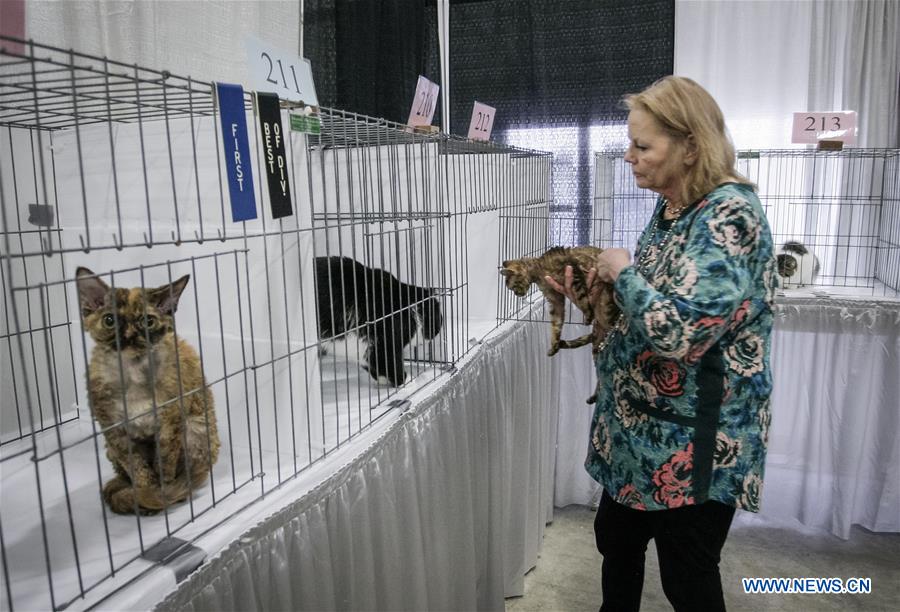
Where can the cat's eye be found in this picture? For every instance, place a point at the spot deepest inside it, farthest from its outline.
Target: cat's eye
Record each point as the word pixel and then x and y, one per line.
pixel 152 321
pixel 109 320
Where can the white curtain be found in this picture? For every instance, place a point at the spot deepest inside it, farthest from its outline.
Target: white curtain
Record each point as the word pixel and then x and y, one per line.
pixel 443 19
pixel 445 511
pixel 855 65
pixel 200 38
pixel 834 445
pixel 573 485
pixel 764 60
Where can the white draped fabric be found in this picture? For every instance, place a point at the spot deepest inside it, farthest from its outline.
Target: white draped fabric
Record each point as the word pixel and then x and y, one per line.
pixel 445 510
pixel 855 65
pixel 834 442
pixel 834 446
pixel 573 485
pixel 199 38
pixel 753 57
pixel 764 60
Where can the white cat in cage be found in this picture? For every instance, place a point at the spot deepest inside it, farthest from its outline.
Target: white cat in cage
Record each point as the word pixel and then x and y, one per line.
pixel 797 266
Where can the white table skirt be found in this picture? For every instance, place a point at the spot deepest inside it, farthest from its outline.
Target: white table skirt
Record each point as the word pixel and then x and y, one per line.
pixel 834 448
pixel 445 509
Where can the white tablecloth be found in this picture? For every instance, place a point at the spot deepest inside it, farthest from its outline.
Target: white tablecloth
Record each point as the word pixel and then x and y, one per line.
pixel 444 510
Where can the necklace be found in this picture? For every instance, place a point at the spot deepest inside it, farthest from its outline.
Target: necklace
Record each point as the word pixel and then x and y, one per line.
pixel 675 211
pixel 646 257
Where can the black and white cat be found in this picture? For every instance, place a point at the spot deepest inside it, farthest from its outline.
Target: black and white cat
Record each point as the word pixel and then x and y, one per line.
pixel 386 313
pixel 797 267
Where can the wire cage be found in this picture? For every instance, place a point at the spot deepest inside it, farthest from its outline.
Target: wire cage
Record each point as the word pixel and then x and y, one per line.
pixel 305 328
pixel 525 230
pixel 841 207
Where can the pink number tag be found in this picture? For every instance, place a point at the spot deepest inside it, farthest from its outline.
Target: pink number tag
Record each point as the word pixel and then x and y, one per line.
pixel 482 121
pixel 422 111
pixel 810 128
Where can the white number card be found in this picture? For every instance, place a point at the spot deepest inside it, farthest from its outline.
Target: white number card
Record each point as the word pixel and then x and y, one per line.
pixel 482 121
pixel 422 111
pixel 280 72
pixel 810 128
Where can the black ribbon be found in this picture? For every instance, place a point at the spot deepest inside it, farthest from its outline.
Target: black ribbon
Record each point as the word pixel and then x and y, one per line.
pixel 274 158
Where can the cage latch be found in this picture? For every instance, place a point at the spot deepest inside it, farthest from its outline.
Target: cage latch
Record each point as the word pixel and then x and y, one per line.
pixel 178 555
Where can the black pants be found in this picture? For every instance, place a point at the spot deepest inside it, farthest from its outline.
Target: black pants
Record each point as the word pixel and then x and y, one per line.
pixel 688 543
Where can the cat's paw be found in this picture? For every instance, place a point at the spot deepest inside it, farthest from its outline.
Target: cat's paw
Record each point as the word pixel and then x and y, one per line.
pixel 553 350
pixel 124 502
pixel 112 487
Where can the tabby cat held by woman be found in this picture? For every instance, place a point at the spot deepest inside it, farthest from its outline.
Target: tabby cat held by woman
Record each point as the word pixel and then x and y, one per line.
pixel 148 393
pixel 594 299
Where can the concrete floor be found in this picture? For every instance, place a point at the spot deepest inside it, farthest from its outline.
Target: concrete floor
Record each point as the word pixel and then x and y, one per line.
pixel 567 576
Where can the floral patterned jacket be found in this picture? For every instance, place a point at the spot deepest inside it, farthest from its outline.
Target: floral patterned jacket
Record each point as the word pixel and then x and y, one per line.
pixel 682 414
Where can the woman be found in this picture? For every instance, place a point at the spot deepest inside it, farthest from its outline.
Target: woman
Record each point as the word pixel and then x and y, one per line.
pixel 678 436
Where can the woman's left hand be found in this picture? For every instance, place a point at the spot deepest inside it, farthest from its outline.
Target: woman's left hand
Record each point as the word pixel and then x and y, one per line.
pixel 567 289
pixel 607 267
pixel 610 262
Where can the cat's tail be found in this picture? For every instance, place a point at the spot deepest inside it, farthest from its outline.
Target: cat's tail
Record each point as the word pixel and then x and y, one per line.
pixel 161 497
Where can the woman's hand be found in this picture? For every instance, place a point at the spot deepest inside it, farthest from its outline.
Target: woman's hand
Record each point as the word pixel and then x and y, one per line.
pixel 566 288
pixel 610 262
pixel 608 265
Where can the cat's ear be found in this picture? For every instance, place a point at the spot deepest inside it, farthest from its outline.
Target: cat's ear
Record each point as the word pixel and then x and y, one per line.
pixel 165 298
pixel 92 291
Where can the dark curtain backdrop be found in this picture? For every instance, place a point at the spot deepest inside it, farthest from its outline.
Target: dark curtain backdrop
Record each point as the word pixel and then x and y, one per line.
pixel 368 54
pixel 555 71
pixel 566 62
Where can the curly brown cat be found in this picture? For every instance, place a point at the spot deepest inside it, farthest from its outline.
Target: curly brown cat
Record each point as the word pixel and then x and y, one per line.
pixel 159 455
pixel 521 273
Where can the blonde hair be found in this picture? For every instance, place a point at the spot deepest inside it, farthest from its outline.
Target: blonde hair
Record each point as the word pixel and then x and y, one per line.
pixel 683 109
